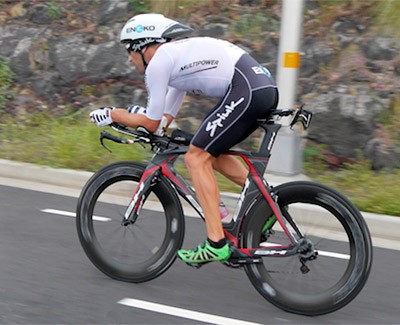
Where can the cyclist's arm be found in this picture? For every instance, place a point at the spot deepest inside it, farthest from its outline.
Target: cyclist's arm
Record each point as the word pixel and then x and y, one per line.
pixel 156 79
pixel 122 116
pixel 173 101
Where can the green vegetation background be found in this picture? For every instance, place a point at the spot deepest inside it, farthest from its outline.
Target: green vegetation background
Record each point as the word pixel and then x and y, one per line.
pixel 70 141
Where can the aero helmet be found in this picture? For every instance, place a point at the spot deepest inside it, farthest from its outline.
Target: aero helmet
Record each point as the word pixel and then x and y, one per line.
pixel 145 29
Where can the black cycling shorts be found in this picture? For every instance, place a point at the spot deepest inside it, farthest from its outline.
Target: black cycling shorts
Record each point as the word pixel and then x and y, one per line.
pixel 251 95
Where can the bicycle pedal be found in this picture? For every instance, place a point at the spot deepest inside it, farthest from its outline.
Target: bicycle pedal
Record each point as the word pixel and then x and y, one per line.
pixel 195 265
pixel 232 264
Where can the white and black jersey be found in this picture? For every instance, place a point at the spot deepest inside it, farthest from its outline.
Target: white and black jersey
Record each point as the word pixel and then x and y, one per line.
pixel 214 68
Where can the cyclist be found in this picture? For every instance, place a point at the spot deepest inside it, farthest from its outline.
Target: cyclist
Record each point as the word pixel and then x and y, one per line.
pixel 204 66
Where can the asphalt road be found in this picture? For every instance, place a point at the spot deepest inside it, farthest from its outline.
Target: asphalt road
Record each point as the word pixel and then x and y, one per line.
pixel 45 278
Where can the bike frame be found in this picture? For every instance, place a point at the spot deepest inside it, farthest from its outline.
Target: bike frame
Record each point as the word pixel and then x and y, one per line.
pixel 256 187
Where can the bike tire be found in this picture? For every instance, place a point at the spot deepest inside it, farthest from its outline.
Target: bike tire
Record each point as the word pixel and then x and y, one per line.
pixel 140 251
pixel 340 236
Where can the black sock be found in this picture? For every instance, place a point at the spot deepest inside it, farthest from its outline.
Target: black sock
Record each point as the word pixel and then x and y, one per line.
pixel 218 244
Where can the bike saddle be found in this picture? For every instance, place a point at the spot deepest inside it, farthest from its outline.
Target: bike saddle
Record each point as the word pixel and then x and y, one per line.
pixel 181 137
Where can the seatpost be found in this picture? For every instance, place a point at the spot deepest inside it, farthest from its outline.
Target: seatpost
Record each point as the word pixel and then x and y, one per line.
pixel 271 130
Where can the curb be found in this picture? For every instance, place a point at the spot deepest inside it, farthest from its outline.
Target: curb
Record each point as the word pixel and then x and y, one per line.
pixel 384 229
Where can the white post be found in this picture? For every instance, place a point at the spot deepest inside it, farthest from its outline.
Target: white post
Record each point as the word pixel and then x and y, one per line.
pixel 287 154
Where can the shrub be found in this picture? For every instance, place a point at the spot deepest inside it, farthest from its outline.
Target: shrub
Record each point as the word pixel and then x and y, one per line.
pixel 6 81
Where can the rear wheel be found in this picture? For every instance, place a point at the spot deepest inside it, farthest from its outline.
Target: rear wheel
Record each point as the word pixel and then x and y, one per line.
pixel 310 284
pixel 135 252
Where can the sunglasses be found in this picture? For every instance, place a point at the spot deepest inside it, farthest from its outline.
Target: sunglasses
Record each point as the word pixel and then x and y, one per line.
pixel 128 47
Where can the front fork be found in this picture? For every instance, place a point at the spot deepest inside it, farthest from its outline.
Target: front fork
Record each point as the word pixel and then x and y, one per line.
pixel 142 191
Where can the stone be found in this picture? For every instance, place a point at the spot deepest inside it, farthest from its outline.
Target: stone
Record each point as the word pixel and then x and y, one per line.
pixel 40 15
pixel 380 48
pixel 346 90
pixel 112 10
pixel 316 54
pixel 344 122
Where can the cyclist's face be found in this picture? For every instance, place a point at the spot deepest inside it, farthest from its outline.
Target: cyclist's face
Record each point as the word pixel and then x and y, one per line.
pixel 136 59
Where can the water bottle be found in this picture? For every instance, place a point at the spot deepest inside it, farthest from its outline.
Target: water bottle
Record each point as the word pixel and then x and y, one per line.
pixel 223 211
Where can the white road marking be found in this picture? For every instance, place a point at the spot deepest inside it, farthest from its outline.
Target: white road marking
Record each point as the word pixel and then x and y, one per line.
pixel 265 244
pixel 183 313
pixel 72 214
pixel 335 255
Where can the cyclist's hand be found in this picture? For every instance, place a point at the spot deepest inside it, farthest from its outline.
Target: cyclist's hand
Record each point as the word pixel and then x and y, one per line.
pixel 101 116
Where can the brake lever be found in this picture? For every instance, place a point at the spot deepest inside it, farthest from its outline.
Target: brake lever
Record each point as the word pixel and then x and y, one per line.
pixel 102 137
pixel 108 136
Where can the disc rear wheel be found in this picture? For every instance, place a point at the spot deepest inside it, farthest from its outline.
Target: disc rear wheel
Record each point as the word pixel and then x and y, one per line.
pixel 334 261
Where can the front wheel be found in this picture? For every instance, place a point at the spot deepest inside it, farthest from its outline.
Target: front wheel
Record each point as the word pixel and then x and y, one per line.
pixel 139 251
pixel 310 284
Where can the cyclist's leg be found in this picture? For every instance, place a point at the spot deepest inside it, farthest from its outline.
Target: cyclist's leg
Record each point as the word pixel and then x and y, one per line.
pixel 231 168
pixel 205 253
pixel 249 98
pixel 207 145
pixel 200 167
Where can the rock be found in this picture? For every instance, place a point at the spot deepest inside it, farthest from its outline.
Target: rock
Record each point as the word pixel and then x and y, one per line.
pixel 316 54
pixel 46 84
pixel 348 26
pixel 381 155
pixel 40 15
pixel 373 67
pixel 396 65
pixel 380 49
pixel 347 30
pixel 109 60
pixel 112 10
pixel 69 51
pixel 343 122
pixel 216 30
pixel 14 40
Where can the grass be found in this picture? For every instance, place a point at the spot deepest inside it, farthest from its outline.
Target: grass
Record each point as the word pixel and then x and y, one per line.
pixel 371 191
pixel 387 17
pixel 63 142
pixel 390 120
pixel 6 80
pixel 72 142
pixel 375 192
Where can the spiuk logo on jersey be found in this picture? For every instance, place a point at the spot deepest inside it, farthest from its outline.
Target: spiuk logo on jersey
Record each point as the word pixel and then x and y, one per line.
pixel 217 123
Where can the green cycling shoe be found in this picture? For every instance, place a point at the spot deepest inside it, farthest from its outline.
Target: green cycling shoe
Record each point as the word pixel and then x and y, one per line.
pixel 204 253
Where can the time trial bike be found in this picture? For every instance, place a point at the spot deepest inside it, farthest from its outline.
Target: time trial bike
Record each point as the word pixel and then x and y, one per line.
pixel 304 246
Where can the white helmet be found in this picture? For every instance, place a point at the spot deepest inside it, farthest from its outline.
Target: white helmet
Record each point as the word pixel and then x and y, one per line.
pixel 145 29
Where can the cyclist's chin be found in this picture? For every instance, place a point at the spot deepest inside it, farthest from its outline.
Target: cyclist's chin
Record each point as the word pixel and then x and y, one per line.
pixel 139 68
